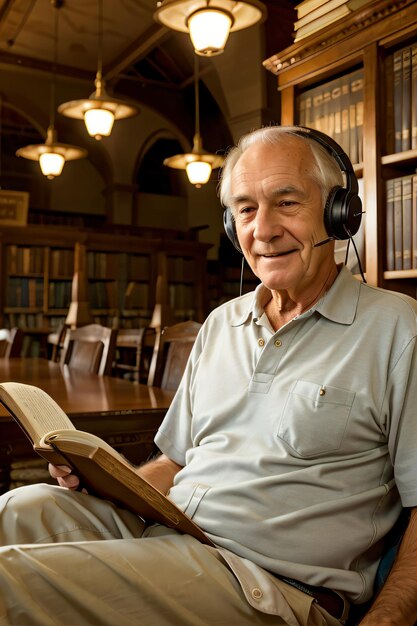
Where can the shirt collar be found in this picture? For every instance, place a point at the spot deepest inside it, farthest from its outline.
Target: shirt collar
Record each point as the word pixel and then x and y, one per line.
pixel 339 304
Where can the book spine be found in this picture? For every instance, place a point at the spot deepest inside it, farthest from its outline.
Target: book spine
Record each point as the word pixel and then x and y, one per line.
pixel 355 115
pixel 407 221
pixel 398 225
pixel 414 220
pixel 390 225
pixel 414 97
pixel 406 99
pixel 344 138
pixel 397 99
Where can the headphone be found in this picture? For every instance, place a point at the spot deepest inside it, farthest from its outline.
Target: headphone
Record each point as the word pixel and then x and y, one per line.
pixel 343 208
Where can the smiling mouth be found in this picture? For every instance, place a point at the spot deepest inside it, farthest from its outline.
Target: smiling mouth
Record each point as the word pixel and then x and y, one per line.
pixel 278 254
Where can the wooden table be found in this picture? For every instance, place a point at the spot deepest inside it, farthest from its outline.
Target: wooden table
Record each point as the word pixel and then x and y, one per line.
pixel 123 413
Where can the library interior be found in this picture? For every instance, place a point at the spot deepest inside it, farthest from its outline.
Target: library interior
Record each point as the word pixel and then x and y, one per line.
pixel 113 250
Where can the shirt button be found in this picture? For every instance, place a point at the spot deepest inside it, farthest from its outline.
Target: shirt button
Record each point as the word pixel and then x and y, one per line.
pixel 278 343
pixel 257 593
pixel 261 342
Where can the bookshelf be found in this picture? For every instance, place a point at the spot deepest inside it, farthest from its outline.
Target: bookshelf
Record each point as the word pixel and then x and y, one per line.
pixel 366 45
pixel 37 266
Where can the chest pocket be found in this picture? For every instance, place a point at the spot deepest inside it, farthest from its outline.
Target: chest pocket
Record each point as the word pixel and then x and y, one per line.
pixel 315 417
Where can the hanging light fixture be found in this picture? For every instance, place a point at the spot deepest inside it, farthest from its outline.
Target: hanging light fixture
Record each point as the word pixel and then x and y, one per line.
pixel 209 22
pixel 52 155
pixel 100 110
pixel 198 163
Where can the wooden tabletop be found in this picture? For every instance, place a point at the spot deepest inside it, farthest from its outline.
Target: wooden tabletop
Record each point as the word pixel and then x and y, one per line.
pixel 80 393
pixel 125 414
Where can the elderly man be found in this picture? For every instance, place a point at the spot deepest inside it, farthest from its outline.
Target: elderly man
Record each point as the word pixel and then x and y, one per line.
pixel 291 440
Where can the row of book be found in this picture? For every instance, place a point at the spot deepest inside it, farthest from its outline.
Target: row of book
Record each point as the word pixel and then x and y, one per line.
pixel 181 269
pixel 59 294
pixel 61 264
pixel 314 15
pixel 336 108
pixel 401 223
pixel 25 320
pixel 103 294
pixel 25 259
pixel 136 296
pixel 181 296
pixel 402 75
pixel 24 292
pixel 110 265
pixel 103 265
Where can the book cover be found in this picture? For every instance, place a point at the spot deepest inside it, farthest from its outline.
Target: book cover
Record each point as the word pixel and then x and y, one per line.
pixel 321 22
pixel 323 9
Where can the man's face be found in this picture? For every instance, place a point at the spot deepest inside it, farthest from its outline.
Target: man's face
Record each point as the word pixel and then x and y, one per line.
pixel 278 212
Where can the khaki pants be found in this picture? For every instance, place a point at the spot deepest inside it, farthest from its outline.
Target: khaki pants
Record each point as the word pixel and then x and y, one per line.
pixel 69 559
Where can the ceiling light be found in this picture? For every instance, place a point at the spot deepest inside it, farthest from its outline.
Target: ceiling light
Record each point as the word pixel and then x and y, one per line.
pixel 198 163
pixel 100 110
pixel 52 155
pixel 209 21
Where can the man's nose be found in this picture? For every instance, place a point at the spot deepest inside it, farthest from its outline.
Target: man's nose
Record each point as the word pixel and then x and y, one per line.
pixel 267 224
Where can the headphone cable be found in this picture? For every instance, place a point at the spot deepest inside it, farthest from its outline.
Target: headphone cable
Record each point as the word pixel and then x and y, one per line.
pixel 356 252
pixel 242 266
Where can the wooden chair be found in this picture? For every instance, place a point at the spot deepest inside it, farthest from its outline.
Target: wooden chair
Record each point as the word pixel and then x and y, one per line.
pixel 11 342
pixel 172 349
pixel 134 347
pixel 90 348
pixel 55 342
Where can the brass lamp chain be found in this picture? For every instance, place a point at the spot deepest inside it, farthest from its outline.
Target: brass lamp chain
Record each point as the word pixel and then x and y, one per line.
pixel 196 95
pixel 54 68
pixel 100 40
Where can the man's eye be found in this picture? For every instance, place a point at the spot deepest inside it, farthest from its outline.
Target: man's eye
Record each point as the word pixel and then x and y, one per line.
pixel 246 209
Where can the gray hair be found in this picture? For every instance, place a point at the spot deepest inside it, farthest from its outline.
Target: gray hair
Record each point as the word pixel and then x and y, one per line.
pixel 325 172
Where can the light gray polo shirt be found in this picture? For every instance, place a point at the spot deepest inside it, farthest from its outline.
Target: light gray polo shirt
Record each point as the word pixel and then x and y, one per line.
pixel 300 446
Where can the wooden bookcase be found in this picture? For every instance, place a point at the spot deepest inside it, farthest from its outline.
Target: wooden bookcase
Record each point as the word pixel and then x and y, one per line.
pixel 365 41
pixel 37 265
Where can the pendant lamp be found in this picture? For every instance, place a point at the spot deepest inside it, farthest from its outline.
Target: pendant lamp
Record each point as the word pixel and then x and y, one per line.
pixel 100 110
pixel 209 22
pixel 198 163
pixel 52 155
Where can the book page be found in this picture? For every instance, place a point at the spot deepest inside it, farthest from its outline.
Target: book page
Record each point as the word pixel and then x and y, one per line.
pixel 35 411
pixel 79 437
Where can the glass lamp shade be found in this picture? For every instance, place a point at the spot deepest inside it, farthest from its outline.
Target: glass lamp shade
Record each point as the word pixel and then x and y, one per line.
pixel 99 122
pixel 101 108
pixel 51 164
pixel 198 172
pixel 209 30
pixel 52 154
pixel 184 15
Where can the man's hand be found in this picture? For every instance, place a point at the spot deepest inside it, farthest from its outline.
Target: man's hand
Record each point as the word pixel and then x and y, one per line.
pixel 63 475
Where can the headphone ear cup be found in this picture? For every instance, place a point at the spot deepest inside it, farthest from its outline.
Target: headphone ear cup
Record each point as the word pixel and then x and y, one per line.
pixel 342 213
pixel 230 229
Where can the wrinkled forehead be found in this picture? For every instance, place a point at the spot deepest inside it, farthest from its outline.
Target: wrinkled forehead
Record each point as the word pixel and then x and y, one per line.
pixel 285 162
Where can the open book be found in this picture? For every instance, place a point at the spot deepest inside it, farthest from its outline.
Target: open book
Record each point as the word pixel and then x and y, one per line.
pixel 102 470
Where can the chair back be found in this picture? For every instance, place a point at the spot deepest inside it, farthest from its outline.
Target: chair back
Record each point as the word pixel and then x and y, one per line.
pixel 55 342
pixel 172 349
pixel 11 342
pixel 132 353
pixel 90 348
